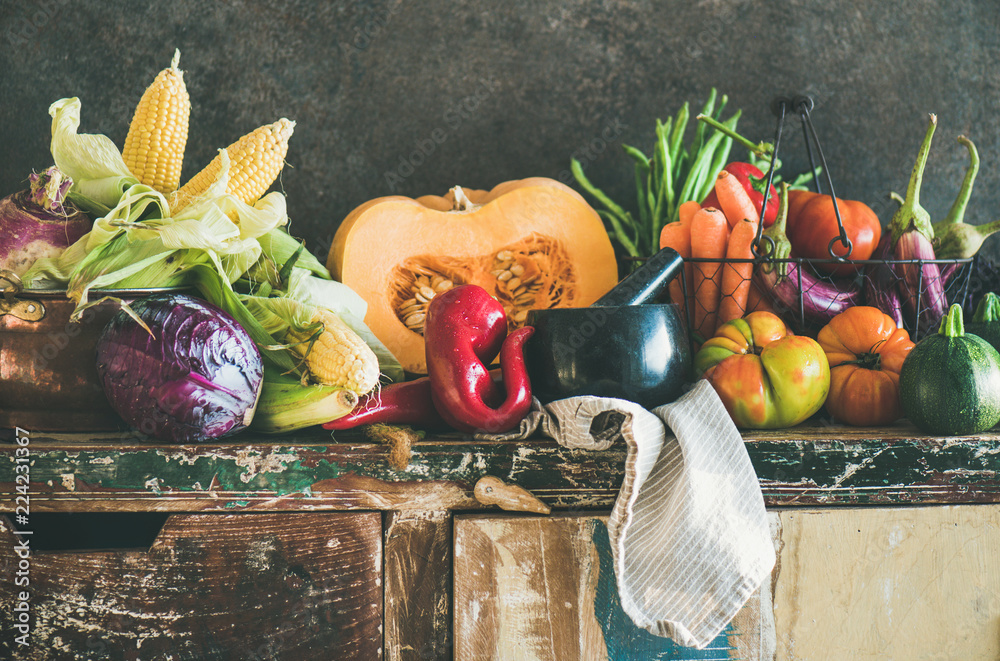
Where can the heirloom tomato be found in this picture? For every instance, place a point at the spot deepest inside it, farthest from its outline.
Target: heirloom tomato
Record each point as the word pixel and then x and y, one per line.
pixel 813 229
pixel 766 376
pixel 866 350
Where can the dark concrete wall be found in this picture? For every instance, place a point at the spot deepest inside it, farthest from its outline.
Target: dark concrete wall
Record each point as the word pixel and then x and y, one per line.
pixel 499 90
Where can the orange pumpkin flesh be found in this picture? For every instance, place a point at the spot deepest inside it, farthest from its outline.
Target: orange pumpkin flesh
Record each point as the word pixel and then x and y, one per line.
pixel 532 243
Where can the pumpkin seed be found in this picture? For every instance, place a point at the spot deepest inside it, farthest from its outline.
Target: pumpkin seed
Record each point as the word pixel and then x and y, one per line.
pixel 415 321
pixel 425 294
pixel 524 299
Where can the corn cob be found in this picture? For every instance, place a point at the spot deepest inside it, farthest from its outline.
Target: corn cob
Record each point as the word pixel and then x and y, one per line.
pixel 334 354
pixel 154 147
pixel 286 405
pixel 255 160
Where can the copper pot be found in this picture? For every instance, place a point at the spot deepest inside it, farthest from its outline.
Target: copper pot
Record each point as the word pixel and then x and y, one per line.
pixel 48 374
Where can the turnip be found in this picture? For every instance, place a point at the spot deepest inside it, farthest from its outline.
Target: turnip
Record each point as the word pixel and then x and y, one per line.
pixel 39 222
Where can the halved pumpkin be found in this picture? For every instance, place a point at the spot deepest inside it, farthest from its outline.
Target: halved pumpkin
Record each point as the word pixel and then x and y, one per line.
pixel 533 243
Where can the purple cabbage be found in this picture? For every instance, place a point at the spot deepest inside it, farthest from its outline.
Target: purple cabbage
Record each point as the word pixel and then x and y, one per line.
pixel 196 378
pixel 38 221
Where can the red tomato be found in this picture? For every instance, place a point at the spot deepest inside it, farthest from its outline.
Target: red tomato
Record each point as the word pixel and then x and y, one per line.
pixel 812 225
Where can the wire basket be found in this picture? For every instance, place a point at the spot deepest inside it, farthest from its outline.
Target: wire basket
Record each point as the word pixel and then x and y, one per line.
pixel 809 297
pixel 806 314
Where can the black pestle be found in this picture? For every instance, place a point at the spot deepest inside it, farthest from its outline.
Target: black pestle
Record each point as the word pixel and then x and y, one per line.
pixel 643 284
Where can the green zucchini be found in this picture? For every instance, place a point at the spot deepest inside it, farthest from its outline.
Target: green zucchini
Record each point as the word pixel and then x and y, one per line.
pixel 986 321
pixel 950 382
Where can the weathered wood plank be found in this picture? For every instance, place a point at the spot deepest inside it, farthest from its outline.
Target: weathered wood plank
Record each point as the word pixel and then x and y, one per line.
pixel 418 586
pixel 270 476
pixel 253 586
pixel 803 466
pixel 544 588
pixel 889 583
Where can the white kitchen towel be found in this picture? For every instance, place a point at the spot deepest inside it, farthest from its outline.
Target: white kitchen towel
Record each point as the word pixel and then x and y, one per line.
pixel 689 534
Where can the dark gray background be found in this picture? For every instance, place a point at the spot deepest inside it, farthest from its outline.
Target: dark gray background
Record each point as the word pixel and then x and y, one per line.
pixel 495 91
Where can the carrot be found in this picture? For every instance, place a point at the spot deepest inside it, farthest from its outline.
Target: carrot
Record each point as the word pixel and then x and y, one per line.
pixel 709 236
pixel 677 235
pixel 734 200
pixel 736 275
pixel 757 299
pixel 686 211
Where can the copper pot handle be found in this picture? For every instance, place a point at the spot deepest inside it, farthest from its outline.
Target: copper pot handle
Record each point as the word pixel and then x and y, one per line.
pixel 25 310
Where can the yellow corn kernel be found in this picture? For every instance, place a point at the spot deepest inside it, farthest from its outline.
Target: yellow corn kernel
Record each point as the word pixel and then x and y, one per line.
pixel 336 355
pixel 154 147
pixel 255 160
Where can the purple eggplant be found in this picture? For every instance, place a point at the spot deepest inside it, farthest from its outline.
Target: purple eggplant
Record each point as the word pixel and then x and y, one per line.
pixel 921 287
pixel 881 280
pixel 821 300
pixel 795 288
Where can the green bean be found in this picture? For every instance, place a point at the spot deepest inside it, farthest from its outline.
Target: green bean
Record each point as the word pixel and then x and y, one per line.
pixel 637 156
pixel 677 135
pixel 665 199
pixel 699 132
pixel 581 179
pixel 619 233
pixel 706 177
pixel 701 168
pixel 719 160
pixel 641 197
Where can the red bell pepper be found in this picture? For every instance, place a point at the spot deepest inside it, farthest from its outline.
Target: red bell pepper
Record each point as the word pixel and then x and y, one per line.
pixel 464 330
pixel 407 403
pixel 752 180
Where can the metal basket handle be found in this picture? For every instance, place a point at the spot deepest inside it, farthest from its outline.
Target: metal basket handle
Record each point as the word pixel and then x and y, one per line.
pixel 802 105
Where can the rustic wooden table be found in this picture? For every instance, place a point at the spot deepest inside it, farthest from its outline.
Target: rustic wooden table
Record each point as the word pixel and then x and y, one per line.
pixel 313 547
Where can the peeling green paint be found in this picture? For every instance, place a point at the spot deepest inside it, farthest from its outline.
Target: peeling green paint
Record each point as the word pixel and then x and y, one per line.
pixel 827 470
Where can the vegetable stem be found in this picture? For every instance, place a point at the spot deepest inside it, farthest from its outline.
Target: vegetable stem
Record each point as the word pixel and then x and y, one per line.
pixel 957 211
pixel 762 149
pixel 910 215
pixel 952 325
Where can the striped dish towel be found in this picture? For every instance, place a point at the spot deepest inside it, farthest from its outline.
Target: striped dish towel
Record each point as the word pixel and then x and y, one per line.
pixel 689 535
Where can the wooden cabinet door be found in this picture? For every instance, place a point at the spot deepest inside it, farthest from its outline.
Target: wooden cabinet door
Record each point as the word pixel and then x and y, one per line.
pixel 212 587
pixel 544 589
pixel 893 584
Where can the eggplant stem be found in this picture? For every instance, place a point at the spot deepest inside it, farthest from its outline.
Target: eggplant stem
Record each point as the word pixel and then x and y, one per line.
pixel 911 215
pixel 957 211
